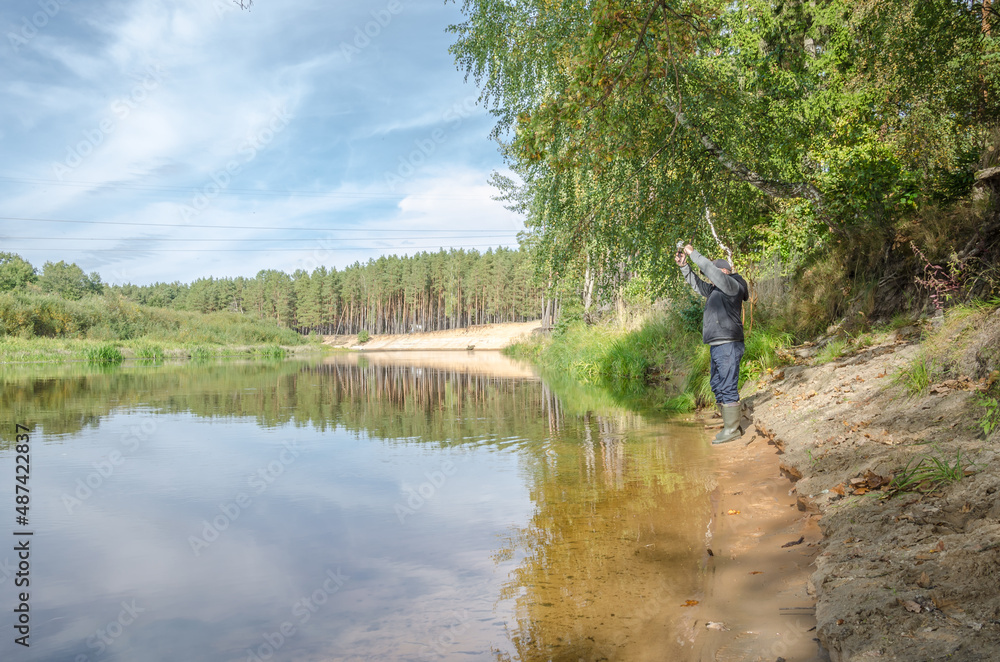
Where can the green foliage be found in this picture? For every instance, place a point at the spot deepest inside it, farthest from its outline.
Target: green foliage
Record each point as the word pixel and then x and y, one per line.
pixel 148 351
pixel 698 383
pixel 15 272
pixel 363 337
pixel 990 402
pixel 271 352
pixel 391 294
pixel 916 378
pixel 111 318
pixel 660 364
pixel 578 351
pixel 764 352
pixel 830 351
pixel 68 280
pixel 690 311
pixel 927 473
pixel 201 354
pixel 105 353
pixel 860 176
pixel 795 124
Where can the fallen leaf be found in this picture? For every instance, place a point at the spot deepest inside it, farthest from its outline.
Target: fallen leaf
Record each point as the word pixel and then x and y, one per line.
pixel 716 626
pixel 910 605
pixel 840 621
pixel 838 489
pixel 794 542
pixel 967 507
pixel 924 581
pixel 861 490
pixel 940 546
pixel 689 603
pixel 733 512
pixel 756 572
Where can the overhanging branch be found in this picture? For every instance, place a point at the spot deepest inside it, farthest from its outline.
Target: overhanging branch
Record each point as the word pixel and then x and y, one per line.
pixel 773 188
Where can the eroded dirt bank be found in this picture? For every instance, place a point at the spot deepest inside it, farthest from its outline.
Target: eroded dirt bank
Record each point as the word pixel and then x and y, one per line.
pixel 914 576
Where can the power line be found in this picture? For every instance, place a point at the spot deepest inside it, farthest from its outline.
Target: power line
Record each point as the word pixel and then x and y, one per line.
pixel 243 191
pixel 225 227
pixel 250 250
pixel 454 236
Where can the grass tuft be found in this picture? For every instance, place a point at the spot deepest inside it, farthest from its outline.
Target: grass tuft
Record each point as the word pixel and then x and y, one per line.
pixel 271 352
pixel 106 354
pixel 830 351
pixel 915 378
pixel 927 473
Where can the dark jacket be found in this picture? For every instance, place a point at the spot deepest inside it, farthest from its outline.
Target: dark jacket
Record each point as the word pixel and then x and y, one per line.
pixel 723 319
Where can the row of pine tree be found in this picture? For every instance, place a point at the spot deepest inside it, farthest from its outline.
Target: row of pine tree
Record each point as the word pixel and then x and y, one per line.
pixel 391 294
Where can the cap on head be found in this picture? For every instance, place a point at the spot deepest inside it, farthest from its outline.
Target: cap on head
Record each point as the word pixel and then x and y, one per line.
pixel 722 264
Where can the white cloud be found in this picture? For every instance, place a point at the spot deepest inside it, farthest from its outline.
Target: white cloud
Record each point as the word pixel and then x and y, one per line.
pixel 103 139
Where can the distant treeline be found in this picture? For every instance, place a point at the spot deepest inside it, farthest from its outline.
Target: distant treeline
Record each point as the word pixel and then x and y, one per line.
pixel 423 292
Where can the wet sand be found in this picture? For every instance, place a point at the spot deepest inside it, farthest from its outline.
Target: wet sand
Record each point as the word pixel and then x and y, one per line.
pixel 757 591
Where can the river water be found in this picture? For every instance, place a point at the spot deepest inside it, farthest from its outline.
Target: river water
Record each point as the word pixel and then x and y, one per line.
pixel 409 506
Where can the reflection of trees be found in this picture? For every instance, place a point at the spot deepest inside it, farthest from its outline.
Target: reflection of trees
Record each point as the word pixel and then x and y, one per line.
pixel 616 531
pixel 383 401
pixel 614 543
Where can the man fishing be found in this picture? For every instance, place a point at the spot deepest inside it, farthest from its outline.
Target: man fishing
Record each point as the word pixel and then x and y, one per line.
pixel 722 330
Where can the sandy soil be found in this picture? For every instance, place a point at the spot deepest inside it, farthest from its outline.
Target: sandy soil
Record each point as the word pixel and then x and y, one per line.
pixel 913 576
pixel 484 336
pixel 758 603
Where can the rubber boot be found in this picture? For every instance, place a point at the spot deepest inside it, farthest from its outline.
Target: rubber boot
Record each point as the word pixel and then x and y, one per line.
pixel 730 423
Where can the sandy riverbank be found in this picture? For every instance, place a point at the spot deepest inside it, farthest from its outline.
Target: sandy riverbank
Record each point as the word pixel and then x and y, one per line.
pixel 483 336
pixel 905 577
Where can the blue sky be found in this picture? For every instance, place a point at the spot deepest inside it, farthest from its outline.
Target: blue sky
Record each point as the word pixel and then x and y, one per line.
pixel 191 139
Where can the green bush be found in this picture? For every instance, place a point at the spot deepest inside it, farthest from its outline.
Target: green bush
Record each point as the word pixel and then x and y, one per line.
pixel 363 337
pixel 271 352
pixel 149 352
pixel 200 353
pixel 113 318
pixel 105 353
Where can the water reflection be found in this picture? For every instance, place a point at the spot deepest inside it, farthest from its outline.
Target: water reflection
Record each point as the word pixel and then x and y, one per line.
pixel 362 507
